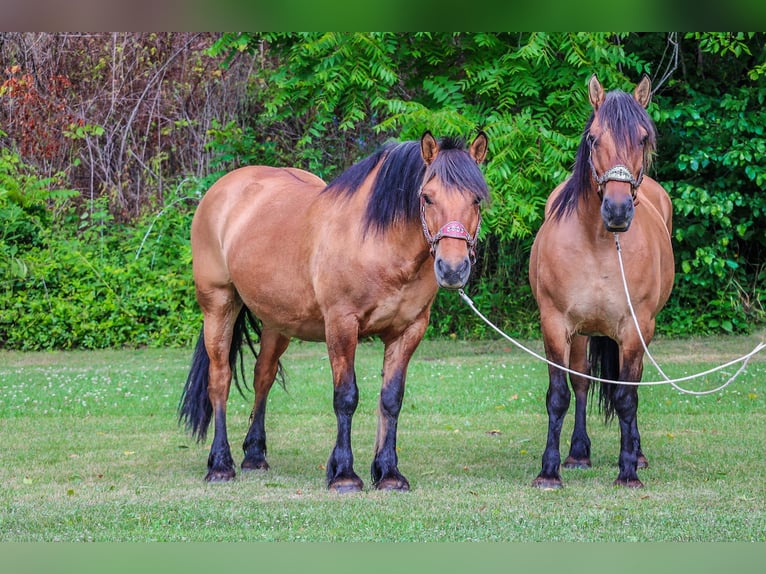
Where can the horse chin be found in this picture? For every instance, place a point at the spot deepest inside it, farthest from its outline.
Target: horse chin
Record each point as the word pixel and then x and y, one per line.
pixel 617 228
pixel 451 286
pixel 451 279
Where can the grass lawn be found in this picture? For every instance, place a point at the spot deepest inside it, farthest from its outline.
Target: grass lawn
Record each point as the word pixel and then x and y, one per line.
pixel 91 450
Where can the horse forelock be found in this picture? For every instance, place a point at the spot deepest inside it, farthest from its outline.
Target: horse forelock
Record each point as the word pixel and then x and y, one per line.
pixel 457 171
pixel 623 117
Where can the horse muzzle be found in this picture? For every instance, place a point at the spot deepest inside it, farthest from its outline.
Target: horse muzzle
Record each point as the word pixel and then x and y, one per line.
pixel 452 272
pixel 452 275
pixel 617 215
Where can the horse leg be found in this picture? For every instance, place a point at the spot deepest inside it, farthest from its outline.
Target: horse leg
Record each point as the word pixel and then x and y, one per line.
pixel 579 449
pixel 625 400
pixel 272 346
pixel 341 347
pixel 385 472
pixel 557 403
pixel 218 328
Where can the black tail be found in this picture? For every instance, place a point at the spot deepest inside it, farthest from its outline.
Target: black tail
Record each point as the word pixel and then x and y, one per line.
pixel 195 409
pixel 604 356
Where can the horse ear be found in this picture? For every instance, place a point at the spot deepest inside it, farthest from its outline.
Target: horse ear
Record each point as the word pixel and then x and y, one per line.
pixel 595 92
pixel 428 147
pixel 643 91
pixel 478 149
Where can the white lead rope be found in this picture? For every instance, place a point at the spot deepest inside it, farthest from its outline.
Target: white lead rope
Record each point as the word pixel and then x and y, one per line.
pixel 666 380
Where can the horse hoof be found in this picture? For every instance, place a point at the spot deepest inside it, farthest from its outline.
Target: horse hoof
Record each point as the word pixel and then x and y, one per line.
pixel 633 483
pixel 581 463
pixel 220 475
pixel 250 465
pixel 395 483
pixel 346 485
pixel 544 483
pixel 642 462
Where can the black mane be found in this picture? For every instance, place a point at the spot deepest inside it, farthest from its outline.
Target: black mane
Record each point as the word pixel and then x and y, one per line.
pixel 622 115
pixel 395 195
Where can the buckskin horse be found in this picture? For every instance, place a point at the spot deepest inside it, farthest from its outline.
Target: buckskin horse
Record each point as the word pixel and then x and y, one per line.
pixel 278 251
pixel 576 280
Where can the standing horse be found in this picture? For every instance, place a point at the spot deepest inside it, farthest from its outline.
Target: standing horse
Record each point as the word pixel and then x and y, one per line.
pixel 365 255
pixel 575 276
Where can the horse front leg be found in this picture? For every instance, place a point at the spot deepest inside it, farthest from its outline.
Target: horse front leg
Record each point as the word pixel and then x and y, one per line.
pixel 273 345
pixel 579 447
pixel 557 403
pixel 625 401
pixel 385 465
pixel 341 347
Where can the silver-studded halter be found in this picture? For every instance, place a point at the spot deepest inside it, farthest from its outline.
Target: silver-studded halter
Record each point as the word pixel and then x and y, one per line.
pixel 453 229
pixel 617 173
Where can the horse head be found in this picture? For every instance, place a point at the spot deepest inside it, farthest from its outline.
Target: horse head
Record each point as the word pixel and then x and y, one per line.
pixel 622 140
pixel 450 203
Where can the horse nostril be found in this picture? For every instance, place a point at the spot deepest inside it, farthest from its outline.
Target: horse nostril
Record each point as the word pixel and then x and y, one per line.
pixel 452 277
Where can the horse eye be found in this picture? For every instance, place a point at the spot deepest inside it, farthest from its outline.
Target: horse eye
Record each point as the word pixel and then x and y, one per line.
pixel 427 199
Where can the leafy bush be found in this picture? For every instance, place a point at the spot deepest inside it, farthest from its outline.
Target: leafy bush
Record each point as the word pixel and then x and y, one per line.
pixel 714 167
pixel 112 267
pixel 90 283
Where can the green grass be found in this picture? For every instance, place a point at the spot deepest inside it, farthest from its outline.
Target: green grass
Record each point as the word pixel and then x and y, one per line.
pixel 91 450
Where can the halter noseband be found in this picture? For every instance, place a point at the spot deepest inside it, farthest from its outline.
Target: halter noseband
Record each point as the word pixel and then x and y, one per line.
pixel 453 229
pixel 617 173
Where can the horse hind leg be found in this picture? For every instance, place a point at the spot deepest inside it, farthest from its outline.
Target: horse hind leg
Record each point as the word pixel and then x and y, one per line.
pixel 273 345
pixel 579 447
pixel 218 331
pixel 625 401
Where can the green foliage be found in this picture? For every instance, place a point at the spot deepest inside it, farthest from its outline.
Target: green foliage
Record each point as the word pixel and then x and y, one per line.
pixel 84 281
pixel 24 212
pixel 715 144
pixel 77 272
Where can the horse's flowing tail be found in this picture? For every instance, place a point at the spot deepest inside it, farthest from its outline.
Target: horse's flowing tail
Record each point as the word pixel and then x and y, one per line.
pixel 195 409
pixel 604 356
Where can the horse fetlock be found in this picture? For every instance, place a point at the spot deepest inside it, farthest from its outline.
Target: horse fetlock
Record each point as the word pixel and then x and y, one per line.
pixel 220 464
